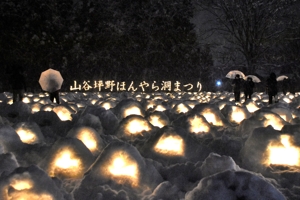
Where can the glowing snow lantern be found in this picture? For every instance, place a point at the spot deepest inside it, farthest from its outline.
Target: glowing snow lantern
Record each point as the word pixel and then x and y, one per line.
pixel 41 95
pixel 252 107
pixel 136 126
pixel 212 118
pixel 106 105
pixel 158 119
pixel 66 163
pixel 89 137
pixel 122 168
pixel 22 188
pixel 273 120
pixel 170 144
pixel 287 100
pixel 21 184
pixel 80 105
pixel 283 153
pixel 182 108
pixel 29 133
pixel 29 183
pixel 237 114
pixel 222 105
pixel 36 99
pixel 26 100
pixel 68 158
pixel 26 136
pixel 35 107
pixel 47 108
pixel 63 113
pixel 10 101
pixel 198 125
pixel 133 110
pixel 150 105
pixel 160 108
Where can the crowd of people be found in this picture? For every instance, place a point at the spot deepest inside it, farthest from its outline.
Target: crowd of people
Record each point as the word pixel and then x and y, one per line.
pixel 247 87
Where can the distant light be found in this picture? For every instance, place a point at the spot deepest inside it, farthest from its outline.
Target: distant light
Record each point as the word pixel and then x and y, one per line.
pixel 219 83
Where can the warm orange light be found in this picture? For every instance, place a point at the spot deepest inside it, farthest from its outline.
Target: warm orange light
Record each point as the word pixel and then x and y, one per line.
pixel 237 115
pixel 35 107
pixel 137 126
pixel 198 125
pixel 212 118
pixel 252 107
pixel 66 161
pixel 27 136
pixel 26 100
pixel 26 195
pixel 21 184
pixel 88 138
pixel 181 108
pixel 63 113
pixel 106 105
pixel 122 168
pixel 273 120
pixel 47 108
pixel 160 108
pixel 24 190
pixel 283 153
pixel 132 111
pixel 170 145
pixel 67 164
pixel 156 121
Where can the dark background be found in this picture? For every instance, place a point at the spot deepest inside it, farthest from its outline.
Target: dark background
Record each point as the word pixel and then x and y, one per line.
pixel 127 40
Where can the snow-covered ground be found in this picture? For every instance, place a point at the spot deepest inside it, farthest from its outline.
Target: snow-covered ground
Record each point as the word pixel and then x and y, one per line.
pixel 149 146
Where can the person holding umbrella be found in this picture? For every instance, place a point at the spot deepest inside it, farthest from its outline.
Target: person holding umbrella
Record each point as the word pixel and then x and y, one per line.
pixel 51 81
pixel 54 94
pixel 272 87
pixel 236 83
pixel 248 88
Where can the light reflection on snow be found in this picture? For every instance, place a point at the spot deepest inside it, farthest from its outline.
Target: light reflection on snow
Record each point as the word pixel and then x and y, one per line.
pixel 283 153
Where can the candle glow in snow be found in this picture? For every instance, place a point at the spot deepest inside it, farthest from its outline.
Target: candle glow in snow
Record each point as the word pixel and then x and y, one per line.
pixel 122 168
pixel 283 152
pixel 198 125
pixel 137 126
pixel 66 163
pixel 170 144
pixel 21 187
pixel 212 118
pixel 89 138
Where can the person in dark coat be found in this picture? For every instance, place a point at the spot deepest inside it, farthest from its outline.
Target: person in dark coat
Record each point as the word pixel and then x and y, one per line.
pixel 236 83
pixel 248 88
pixel 18 83
pixel 54 95
pixel 272 87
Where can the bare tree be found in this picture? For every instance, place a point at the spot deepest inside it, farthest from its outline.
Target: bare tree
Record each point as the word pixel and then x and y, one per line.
pixel 250 26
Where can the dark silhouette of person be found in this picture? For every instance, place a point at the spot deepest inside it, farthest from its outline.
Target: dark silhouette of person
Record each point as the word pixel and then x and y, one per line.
pixel 236 83
pixel 248 88
pixel 285 85
pixel 272 87
pixel 55 93
pixel 18 83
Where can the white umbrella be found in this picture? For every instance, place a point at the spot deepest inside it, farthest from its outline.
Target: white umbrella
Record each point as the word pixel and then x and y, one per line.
pixel 255 79
pixel 51 80
pixel 233 73
pixel 280 78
